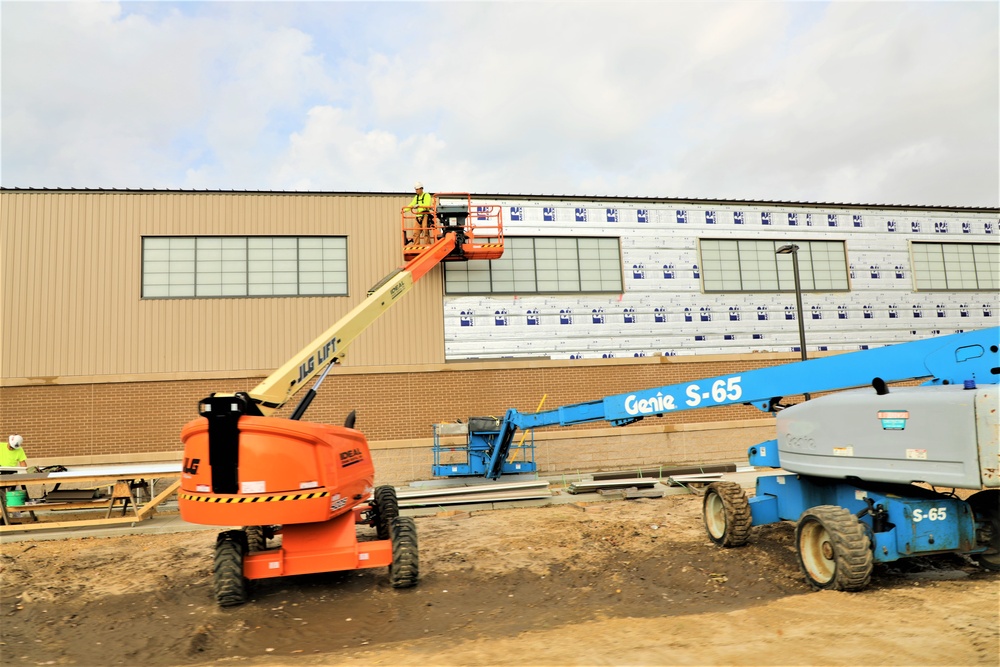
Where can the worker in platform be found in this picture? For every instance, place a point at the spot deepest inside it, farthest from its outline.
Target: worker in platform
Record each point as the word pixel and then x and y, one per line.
pixel 421 207
pixel 12 453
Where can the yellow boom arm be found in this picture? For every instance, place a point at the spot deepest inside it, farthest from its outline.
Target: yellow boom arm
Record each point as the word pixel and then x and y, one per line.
pixel 331 346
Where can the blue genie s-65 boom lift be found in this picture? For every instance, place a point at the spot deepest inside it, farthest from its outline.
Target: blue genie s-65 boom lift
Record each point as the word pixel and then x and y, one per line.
pixel 859 468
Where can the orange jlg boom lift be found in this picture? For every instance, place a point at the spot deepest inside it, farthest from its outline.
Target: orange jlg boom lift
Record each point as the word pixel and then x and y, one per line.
pixel 310 483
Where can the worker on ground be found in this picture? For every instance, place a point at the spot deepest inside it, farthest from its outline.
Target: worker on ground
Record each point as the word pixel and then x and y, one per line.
pixel 12 454
pixel 421 208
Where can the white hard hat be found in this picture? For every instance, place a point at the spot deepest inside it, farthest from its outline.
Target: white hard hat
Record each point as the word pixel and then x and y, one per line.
pixel 418 186
pixel 15 441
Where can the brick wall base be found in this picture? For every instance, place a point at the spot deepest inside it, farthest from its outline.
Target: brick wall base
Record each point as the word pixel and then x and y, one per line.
pixel 569 452
pixel 131 421
pixel 564 453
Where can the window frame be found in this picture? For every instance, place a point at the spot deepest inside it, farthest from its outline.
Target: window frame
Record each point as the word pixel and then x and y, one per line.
pixel 202 259
pixel 555 261
pixel 764 258
pixel 982 267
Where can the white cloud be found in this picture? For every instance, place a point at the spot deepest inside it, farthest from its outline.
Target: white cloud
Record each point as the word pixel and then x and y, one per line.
pixel 862 102
pixel 877 92
pixel 96 98
pixel 333 153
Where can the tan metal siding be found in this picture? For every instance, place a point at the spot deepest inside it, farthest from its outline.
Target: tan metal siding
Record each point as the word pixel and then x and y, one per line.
pixel 70 303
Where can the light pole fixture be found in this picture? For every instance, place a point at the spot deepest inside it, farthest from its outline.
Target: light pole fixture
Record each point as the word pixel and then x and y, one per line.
pixel 793 250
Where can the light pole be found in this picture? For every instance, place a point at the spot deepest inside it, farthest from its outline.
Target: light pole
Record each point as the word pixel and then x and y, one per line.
pixel 793 250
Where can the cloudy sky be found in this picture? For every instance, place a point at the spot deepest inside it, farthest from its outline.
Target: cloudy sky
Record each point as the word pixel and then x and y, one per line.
pixel 880 102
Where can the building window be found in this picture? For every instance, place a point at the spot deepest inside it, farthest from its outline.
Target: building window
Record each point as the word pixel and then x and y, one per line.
pixel 753 266
pixel 221 266
pixel 956 266
pixel 542 265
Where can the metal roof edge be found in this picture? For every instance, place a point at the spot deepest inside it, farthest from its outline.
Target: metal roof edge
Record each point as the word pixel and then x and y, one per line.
pixel 526 197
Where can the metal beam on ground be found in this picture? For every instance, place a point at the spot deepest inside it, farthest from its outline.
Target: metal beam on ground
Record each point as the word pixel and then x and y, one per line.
pixel 479 488
pixel 664 472
pixel 530 494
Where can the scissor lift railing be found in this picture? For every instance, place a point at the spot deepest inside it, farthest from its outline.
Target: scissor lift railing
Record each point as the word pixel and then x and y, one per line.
pixel 479 227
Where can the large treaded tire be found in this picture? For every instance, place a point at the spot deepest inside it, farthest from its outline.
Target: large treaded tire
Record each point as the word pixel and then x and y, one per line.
pixel 834 549
pixel 256 539
pixel 986 507
pixel 230 585
pixel 726 513
pixel 405 568
pixel 386 510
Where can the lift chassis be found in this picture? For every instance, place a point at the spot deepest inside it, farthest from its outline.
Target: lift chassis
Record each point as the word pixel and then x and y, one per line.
pixel 846 523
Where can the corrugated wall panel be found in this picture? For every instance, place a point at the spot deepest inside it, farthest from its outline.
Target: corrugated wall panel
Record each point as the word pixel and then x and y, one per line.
pixel 11 279
pixel 71 296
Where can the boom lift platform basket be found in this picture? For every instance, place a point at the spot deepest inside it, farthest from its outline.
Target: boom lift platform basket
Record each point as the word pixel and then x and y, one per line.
pixel 478 229
pixel 462 450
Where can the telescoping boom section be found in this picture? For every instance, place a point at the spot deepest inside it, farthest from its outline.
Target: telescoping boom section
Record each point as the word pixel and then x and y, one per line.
pixel 331 346
pixel 463 232
pixel 944 360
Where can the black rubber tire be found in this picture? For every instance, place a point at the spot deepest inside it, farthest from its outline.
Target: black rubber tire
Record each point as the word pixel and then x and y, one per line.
pixel 986 507
pixel 386 510
pixel 405 568
pixel 833 549
pixel 231 587
pixel 726 514
pixel 256 539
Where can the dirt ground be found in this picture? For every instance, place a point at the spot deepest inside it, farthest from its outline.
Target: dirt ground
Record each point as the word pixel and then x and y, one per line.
pixel 618 583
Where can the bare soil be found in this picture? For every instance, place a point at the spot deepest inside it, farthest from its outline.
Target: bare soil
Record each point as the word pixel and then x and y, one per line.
pixel 616 583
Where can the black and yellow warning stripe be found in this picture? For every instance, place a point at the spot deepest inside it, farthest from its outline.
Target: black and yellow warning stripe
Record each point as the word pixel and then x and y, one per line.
pixel 252 499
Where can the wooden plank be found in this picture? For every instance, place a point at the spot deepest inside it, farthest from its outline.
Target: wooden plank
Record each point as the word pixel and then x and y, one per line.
pixel 71 496
pixel 62 478
pixel 633 494
pixel 46 525
pixel 99 504
pixel 160 497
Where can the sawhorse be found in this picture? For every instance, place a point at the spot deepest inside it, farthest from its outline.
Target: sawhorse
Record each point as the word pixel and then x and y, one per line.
pixel 122 491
